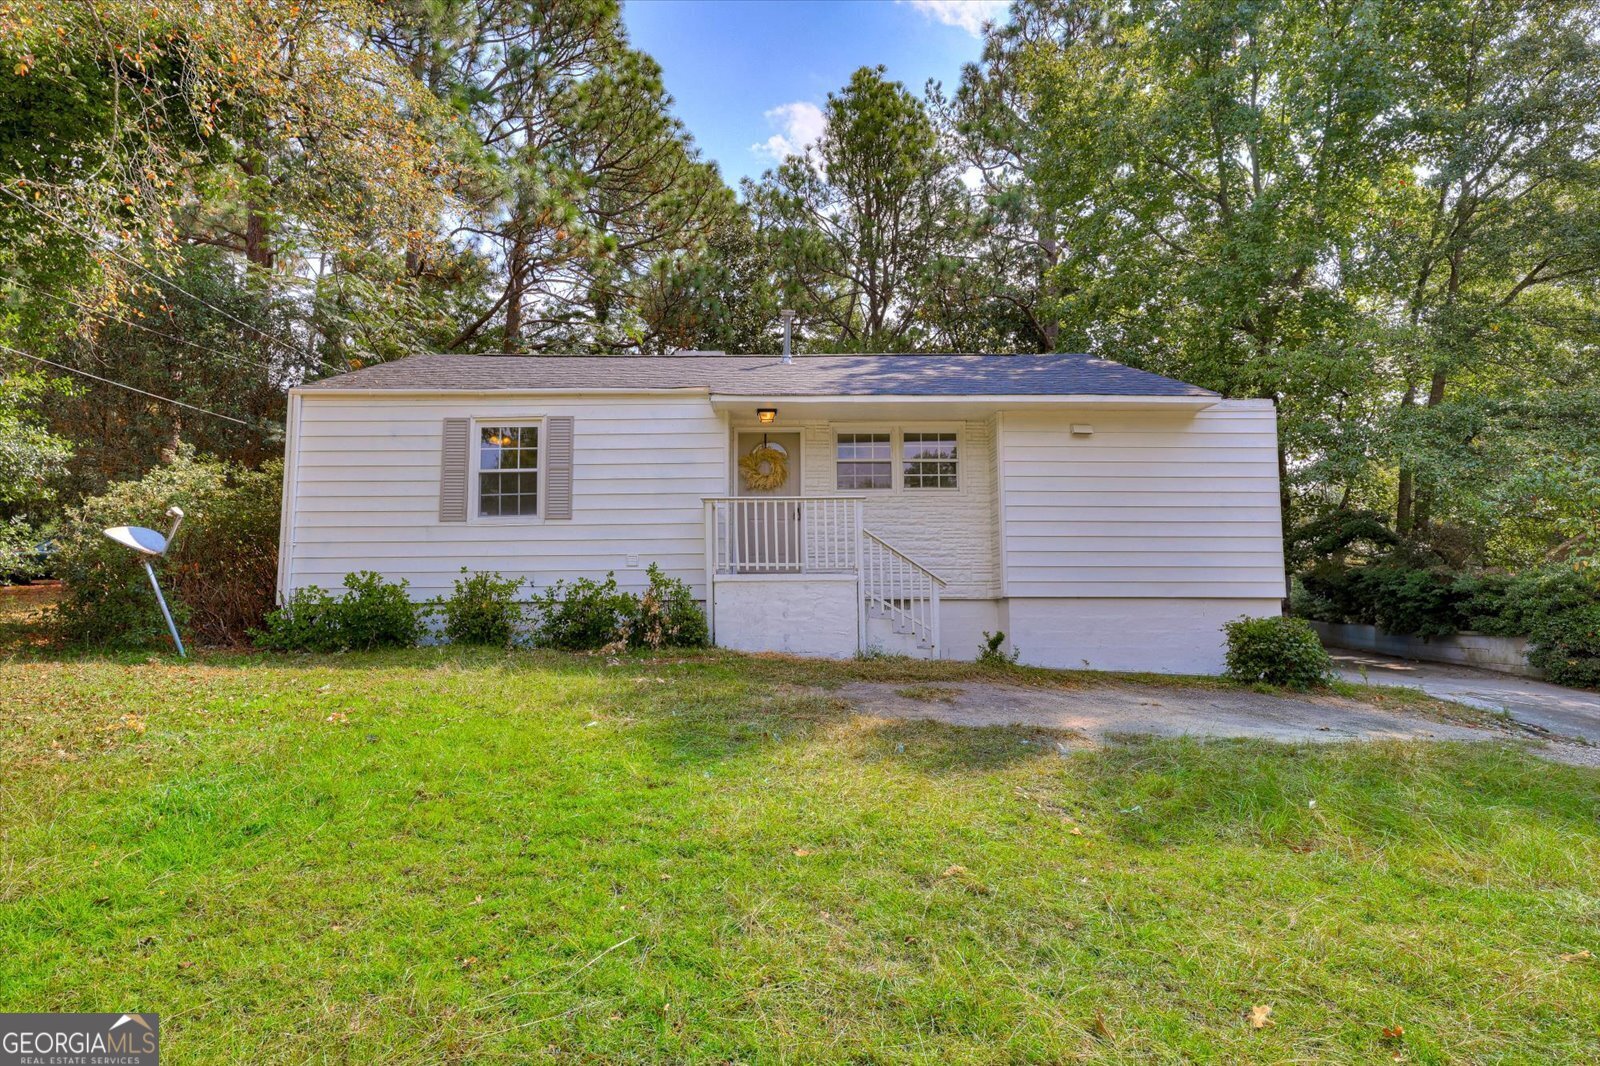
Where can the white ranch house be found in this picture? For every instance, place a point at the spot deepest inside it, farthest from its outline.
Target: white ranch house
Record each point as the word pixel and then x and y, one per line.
pixel 1101 516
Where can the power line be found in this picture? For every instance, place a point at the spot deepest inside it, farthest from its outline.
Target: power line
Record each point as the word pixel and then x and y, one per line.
pixel 108 316
pixel 120 385
pixel 41 212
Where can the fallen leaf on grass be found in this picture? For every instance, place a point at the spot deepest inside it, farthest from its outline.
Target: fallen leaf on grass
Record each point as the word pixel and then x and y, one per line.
pixel 1099 1028
pixel 1578 956
pixel 1393 1034
pixel 1261 1016
pixel 801 853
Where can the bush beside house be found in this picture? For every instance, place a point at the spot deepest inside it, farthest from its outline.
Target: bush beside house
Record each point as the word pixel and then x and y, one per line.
pixel 372 613
pixel 1280 651
pixel 483 609
pixel 219 573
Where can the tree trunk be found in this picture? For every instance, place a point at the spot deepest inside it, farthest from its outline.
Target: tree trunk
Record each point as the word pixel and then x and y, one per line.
pixel 516 267
pixel 257 240
pixel 1403 490
pixel 1422 501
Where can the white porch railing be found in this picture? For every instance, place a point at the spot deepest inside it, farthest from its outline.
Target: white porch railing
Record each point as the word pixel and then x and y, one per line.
pixel 783 534
pixel 823 535
pixel 897 587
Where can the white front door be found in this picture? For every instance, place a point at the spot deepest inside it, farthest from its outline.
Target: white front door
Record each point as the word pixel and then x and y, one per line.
pixel 768 538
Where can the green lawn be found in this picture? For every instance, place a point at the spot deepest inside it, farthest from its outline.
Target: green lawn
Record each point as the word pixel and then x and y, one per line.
pixel 445 856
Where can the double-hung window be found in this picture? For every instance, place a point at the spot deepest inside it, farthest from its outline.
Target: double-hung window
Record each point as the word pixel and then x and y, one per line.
pixel 864 461
pixel 508 470
pixel 928 460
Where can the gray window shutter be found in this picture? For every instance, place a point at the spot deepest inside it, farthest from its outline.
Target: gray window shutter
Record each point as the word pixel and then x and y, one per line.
pixel 455 466
pixel 558 467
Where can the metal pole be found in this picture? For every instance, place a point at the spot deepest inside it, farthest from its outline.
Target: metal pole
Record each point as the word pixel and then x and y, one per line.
pixel 162 600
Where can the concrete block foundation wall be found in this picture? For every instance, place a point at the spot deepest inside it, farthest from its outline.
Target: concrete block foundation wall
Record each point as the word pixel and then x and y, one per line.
pixel 1505 655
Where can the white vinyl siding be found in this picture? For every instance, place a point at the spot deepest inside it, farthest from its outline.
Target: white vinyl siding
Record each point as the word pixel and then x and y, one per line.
pixel 1149 505
pixel 367 479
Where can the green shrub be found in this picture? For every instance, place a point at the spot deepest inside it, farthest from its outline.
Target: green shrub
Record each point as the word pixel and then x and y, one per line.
pixel 483 609
pixel 668 614
pixel 308 620
pixel 992 651
pixel 585 614
pixel 377 614
pixel 219 573
pixel 372 613
pixel 1566 646
pixel 1555 608
pixel 582 614
pixel 1277 651
pixel 20 559
pixel 1558 610
pixel 1424 602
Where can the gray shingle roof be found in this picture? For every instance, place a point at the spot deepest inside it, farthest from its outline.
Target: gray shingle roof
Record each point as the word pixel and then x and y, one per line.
pixel 765 375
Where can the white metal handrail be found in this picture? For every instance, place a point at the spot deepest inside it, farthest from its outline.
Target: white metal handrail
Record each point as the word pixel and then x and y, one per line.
pixel 783 534
pixel 897 587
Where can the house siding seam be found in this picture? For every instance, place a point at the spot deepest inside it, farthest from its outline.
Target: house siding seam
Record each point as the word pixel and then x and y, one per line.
pixel 951 533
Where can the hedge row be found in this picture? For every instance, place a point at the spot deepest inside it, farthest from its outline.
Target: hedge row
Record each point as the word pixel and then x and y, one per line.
pixel 1557 608
pixel 484 609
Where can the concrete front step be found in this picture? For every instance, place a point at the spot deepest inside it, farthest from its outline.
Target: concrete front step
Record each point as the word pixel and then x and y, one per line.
pixel 884 637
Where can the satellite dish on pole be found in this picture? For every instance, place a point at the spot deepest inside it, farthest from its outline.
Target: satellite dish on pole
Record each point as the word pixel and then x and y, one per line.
pixel 148 543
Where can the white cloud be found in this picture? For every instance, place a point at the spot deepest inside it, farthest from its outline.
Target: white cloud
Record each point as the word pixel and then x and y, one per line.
pixel 969 15
pixel 799 126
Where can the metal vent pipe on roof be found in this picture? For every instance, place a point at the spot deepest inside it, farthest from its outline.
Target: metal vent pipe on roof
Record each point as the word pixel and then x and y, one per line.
pixel 788 334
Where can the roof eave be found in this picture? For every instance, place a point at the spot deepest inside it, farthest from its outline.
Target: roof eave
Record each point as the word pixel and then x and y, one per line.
pixel 727 401
pixel 311 391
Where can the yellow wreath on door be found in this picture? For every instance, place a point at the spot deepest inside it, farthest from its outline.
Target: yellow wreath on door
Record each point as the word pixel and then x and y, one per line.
pixel 765 468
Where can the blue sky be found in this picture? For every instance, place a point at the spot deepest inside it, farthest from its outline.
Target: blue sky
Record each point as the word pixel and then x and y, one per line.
pixel 749 76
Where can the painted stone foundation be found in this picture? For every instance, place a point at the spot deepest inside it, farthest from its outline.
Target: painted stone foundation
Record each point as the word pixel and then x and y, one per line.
pixel 797 614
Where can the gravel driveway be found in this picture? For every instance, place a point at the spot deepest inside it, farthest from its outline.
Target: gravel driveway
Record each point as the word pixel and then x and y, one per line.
pixel 1101 712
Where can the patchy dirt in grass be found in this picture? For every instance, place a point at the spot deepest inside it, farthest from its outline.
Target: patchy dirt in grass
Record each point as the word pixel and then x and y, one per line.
pixel 1103 712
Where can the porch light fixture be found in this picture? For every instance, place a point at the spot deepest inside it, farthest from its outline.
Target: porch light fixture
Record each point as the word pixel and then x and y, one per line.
pixel 766 415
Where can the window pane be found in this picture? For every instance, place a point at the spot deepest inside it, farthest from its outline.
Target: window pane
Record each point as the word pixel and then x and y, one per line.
pixel 929 460
pixel 521 494
pixel 508 447
pixel 508 463
pixel 854 475
pixel 863 446
pixel 508 457
pixel 863 461
pixel 488 494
